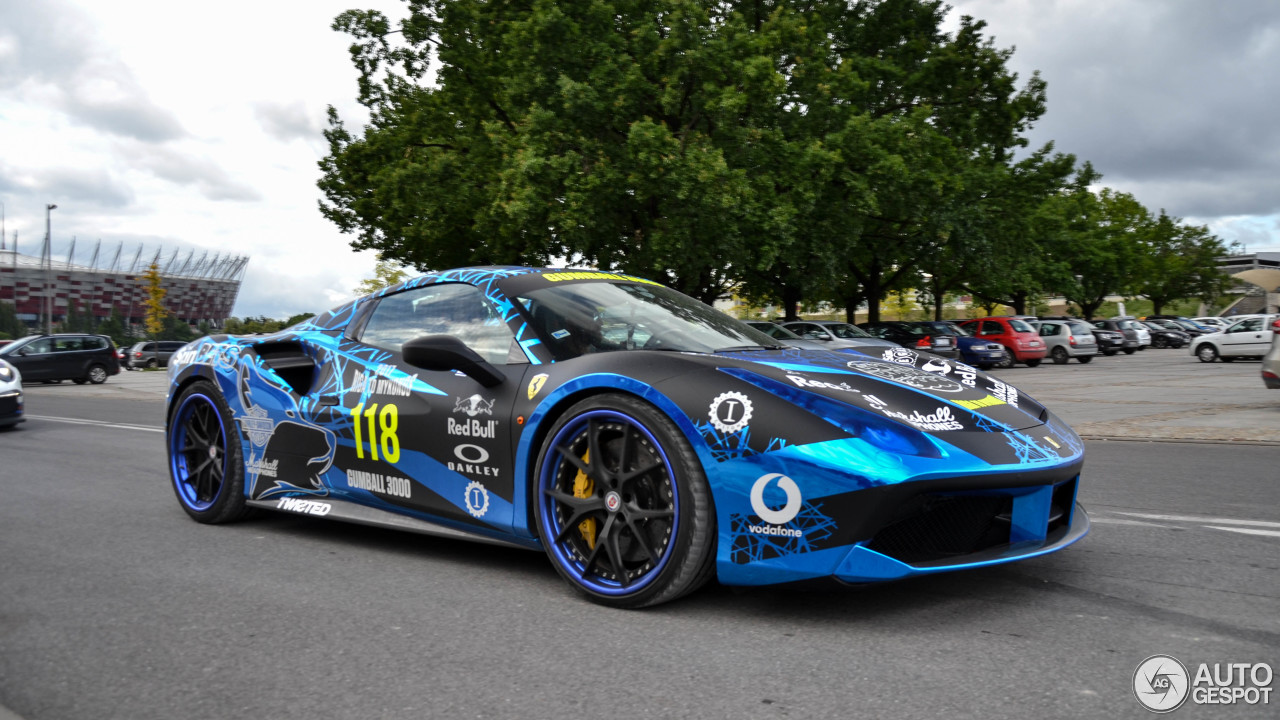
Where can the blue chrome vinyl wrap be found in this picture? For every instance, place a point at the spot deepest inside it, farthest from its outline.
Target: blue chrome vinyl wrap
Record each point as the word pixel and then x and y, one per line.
pixel 817 462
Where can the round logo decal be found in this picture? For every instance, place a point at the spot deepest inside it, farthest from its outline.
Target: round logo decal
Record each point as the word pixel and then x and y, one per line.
pixel 730 412
pixel 1161 683
pixel 788 511
pixel 477 499
pixel 613 501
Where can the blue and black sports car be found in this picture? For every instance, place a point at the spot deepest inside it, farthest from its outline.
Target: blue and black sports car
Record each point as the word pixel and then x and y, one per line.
pixel 643 440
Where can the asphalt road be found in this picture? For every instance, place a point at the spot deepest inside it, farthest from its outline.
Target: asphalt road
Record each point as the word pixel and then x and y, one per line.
pixel 113 604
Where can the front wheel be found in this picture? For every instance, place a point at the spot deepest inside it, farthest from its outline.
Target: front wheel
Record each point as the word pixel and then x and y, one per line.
pixel 1034 362
pixel 1006 359
pixel 1086 359
pixel 205 462
pixel 1207 353
pixel 1130 351
pixel 622 504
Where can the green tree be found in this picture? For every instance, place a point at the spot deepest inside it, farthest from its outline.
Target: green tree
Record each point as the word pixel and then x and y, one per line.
pixel 1097 252
pixel 385 274
pixel 10 326
pixel 114 327
pixel 1179 262
pixel 295 319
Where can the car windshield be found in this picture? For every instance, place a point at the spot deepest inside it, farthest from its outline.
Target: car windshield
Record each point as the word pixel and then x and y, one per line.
pixel 1020 326
pixel 845 330
pixel 776 331
pixel 14 346
pixel 580 318
pixel 957 330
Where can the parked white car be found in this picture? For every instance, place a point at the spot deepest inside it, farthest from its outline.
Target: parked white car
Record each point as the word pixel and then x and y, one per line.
pixel 10 395
pixel 1250 337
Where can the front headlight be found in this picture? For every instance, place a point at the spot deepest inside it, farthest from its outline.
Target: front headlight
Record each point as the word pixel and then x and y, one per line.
pixel 6 373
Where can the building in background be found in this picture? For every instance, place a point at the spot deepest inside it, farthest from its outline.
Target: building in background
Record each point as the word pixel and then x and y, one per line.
pixel 199 289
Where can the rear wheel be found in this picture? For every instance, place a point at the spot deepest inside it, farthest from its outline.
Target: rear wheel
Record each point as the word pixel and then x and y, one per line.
pixel 96 375
pixel 1060 356
pixel 1086 359
pixel 153 364
pixel 204 456
pixel 1130 351
pixel 1207 353
pixel 622 504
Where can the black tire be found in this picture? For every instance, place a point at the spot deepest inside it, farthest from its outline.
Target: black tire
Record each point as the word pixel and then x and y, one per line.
pixel 1159 342
pixel 1034 363
pixel 205 462
pixel 96 374
pixel 1109 353
pixel 1086 359
pixel 152 364
pixel 1006 361
pixel 1130 351
pixel 1060 356
pixel 658 540
pixel 1207 353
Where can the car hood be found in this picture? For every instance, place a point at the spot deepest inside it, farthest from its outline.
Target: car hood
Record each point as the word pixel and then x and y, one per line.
pixel 917 389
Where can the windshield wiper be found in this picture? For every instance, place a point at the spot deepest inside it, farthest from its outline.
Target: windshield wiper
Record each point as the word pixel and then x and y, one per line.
pixel 748 348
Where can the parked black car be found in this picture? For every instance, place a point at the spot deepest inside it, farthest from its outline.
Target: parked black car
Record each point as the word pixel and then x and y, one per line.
pixel 1163 337
pixel 1131 342
pixel 915 335
pixel 78 357
pixel 1109 342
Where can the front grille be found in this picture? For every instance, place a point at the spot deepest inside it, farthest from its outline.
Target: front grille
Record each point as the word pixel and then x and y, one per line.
pixel 934 527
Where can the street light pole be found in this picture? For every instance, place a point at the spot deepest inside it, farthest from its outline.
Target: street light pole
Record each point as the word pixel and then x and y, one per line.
pixel 48 267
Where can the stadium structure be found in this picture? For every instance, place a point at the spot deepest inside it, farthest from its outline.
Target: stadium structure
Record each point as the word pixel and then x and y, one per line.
pixel 199 288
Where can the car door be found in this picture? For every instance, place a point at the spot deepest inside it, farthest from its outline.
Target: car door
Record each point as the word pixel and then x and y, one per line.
pixel 437 442
pixel 34 360
pixel 1245 338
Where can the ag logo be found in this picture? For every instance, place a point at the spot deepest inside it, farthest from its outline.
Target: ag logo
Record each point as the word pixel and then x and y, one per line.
pixel 788 511
pixel 1161 683
pixel 536 384
pixel 477 499
pixel 730 412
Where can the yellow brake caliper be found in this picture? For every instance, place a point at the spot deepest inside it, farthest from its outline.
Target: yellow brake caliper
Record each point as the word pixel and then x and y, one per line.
pixel 583 487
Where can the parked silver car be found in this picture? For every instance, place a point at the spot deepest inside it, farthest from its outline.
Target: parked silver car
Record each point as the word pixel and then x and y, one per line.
pixel 1271 364
pixel 1067 339
pixel 151 354
pixel 837 335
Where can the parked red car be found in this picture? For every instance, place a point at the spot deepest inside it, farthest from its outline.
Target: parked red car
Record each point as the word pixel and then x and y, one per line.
pixel 1021 342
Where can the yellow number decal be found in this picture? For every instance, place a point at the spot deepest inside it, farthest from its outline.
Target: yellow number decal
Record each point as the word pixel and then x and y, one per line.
pixel 389 420
pixel 355 415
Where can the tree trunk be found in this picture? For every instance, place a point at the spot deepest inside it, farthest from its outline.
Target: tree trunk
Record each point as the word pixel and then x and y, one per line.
pixel 790 298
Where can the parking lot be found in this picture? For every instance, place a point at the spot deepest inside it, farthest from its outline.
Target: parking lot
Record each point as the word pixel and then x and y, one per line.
pixel 114 604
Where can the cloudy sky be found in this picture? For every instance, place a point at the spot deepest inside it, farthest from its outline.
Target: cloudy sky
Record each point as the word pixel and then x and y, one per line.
pixel 197 126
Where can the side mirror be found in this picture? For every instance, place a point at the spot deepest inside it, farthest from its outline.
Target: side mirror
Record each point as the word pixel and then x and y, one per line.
pixel 445 352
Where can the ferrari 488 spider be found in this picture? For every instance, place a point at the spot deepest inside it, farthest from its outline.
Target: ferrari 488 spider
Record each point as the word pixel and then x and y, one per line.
pixel 643 440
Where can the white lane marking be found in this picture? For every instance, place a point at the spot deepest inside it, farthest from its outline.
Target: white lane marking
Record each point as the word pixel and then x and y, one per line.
pixel 100 423
pixel 1194 519
pixel 1246 531
pixel 1123 521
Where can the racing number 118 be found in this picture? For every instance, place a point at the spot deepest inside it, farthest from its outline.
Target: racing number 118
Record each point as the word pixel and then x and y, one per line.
pixel 387 422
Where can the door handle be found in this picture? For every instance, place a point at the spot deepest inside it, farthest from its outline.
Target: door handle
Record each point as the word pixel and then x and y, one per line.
pixel 328 400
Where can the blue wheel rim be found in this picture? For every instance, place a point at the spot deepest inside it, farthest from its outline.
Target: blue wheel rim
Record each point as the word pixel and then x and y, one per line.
pixel 198 452
pixel 634 542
